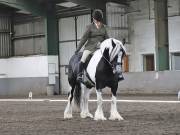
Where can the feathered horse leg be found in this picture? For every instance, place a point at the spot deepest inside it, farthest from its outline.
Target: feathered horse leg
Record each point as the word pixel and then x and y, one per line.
pixel 99 115
pixel 114 114
pixel 84 105
pixel 68 110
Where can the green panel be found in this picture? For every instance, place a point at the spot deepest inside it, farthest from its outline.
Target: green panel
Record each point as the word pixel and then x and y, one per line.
pixel 27 5
pixel 52 33
pixel 161 35
pixel 51 24
pixel 163 54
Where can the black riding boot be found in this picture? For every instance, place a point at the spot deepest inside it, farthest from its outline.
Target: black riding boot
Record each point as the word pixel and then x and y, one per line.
pixel 80 72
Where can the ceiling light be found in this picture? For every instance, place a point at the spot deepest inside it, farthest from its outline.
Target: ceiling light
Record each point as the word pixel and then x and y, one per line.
pixel 67 4
pixel 23 12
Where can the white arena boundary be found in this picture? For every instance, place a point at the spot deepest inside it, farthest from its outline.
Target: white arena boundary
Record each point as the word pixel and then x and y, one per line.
pixel 105 100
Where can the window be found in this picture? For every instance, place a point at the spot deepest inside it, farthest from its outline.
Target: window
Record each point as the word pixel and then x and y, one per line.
pixel 117 21
pixel 175 61
pixel 29 37
pixel 148 62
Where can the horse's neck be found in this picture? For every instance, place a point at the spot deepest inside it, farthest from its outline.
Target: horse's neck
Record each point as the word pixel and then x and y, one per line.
pixel 93 63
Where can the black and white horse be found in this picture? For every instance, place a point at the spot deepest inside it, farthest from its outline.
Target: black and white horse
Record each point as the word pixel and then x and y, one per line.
pixel 102 74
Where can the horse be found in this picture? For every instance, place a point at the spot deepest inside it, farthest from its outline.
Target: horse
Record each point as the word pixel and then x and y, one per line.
pixel 100 70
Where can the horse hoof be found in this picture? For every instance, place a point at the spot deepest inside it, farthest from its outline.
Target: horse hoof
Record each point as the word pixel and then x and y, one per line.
pixel 83 115
pixel 101 118
pixel 86 115
pixel 90 115
pixel 68 116
pixel 104 118
pixel 116 118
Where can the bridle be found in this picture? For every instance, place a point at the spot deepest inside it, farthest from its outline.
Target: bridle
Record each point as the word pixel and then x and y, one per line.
pixel 113 66
pixel 107 60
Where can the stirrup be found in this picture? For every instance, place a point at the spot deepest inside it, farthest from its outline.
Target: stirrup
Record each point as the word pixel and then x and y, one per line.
pixel 80 77
pixel 120 77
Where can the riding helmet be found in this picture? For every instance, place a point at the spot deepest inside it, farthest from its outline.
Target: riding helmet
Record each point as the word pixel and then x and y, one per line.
pixel 98 15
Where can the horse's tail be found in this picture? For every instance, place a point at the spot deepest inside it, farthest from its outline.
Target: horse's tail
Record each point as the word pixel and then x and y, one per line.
pixel 77 94
pixel 72 75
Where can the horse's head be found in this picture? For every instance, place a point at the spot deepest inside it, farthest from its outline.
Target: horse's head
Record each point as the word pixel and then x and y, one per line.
pixel 113 47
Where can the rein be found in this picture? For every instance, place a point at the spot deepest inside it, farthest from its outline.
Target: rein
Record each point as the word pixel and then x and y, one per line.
pixel 107 61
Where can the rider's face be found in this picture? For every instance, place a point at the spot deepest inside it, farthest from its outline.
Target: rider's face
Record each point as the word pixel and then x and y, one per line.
pixel 96 22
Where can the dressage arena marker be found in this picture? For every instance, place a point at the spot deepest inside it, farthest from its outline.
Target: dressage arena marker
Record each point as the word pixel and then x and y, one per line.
pixel 157 75
pixel 105 100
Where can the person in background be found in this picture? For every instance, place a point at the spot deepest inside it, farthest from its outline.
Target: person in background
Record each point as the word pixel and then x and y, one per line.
pixel 95 33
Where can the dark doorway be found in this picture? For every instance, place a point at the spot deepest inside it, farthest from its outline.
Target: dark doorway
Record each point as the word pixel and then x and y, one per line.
pixel 148 61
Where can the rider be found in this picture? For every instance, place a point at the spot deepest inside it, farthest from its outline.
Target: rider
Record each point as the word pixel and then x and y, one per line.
pixel 95 33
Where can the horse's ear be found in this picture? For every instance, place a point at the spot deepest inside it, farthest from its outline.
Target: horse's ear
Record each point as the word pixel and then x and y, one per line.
pixel 113 44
